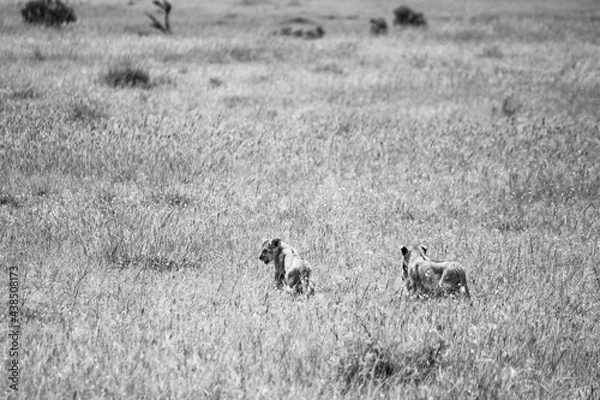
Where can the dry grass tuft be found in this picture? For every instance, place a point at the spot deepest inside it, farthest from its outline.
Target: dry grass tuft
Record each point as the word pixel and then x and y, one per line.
pixel 8 200
pixel 367 364
pixel 89 112
pixel 415 367
pixel 216 82
pixel 371 364
pixel 492 52
pixel 125 76
pixel 24 93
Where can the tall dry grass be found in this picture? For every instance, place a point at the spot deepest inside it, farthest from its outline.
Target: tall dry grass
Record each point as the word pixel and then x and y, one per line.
pixel 135 215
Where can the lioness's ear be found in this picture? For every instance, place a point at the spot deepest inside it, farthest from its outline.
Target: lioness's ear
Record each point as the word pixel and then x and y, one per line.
pixel 424 249
pixel 265 242
pixel 275 242
pixel 404 250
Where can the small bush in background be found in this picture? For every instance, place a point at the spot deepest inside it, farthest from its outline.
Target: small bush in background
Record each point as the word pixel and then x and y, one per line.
pixel 127 76
pixel 378 26
pixel 405 16
pixel 48 12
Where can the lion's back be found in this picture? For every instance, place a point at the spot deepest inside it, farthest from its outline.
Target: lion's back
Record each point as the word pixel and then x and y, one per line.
pixel 425 275
pixel 302 266
pixel 454 272
pixel 446 276
pixel 454 279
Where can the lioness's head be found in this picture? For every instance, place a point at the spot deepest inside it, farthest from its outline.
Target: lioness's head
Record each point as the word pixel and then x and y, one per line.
pixel 408 255
pixel 269 250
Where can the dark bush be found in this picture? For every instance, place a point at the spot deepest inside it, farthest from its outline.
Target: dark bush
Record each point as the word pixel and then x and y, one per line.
pixel 127 76
pixel 316 33
pixel 408 17
pixel 48 12
pixel 378 26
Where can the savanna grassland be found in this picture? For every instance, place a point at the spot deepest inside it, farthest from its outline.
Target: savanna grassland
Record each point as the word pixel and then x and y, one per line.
pixel 135 215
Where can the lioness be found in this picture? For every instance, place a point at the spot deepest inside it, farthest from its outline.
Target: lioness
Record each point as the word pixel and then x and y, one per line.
pixel 292 273
pixel 424 276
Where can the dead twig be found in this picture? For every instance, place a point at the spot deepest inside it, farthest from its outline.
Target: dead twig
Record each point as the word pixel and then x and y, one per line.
pixel 156 24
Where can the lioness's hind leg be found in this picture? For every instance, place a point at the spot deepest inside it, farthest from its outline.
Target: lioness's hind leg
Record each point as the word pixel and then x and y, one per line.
pixel 465 288
pixel 449 283
pixel 309 289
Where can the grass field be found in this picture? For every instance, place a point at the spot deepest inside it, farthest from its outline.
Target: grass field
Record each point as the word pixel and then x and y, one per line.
pixel 135 216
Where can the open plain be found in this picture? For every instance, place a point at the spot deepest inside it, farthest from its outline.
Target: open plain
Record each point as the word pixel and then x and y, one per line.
pixel 135 215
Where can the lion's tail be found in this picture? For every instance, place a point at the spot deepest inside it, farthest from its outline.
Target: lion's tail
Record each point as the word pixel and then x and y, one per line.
pixel 464 288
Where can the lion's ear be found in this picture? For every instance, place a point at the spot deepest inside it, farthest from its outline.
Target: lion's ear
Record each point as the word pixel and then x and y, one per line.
pixel 424 249
pixel 404 250
pixel 275 242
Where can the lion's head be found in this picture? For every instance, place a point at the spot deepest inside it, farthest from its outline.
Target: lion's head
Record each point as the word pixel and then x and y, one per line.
pixel 410 255
pixel 269 250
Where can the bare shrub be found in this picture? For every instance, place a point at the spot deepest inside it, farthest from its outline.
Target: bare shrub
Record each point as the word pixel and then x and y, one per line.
pixel 127 76
pixel 166 7
pixel 406 16
pixel 48 12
